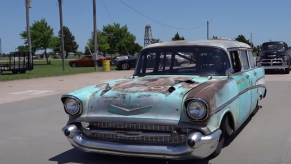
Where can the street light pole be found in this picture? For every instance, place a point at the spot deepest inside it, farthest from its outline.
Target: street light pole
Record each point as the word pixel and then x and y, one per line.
pixel 95 34
pixel 28 5
pixel 207 30
pixel 62 33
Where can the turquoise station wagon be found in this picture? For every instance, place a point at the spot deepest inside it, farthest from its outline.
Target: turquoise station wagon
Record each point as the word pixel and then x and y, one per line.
pixel 169 109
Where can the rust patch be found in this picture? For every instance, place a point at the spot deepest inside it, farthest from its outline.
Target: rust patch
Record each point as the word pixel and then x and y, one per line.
pixel 161 84
pixel 207 92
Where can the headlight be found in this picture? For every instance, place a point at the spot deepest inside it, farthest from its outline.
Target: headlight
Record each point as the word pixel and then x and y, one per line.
pixel 258 58
pixel 72 106
pixel 285 58
pixel 196 109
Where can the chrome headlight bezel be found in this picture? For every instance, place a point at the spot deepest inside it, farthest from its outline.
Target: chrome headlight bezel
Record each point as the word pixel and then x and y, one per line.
pixel 78 103
pixel 258 59
pixel 202 103
pixel 285 58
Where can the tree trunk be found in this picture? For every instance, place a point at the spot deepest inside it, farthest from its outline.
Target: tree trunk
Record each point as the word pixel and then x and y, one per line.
pixel 45 54
pixel 67 54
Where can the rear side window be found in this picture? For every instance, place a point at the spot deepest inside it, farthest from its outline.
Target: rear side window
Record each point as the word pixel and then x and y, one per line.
pixel 251 59
pixel 244 60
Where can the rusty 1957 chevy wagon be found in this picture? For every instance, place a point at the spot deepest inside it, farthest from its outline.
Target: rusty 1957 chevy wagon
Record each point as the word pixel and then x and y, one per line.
pixel 168 110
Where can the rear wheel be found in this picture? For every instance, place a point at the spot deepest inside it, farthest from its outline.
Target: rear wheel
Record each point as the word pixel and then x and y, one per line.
pixel 15 72
pixel 287 70
pixel 22 71
pixel 256 109
pixel 125 66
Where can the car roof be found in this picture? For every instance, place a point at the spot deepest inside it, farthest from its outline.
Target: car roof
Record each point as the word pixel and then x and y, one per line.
pixel 225 44
pixel 274 42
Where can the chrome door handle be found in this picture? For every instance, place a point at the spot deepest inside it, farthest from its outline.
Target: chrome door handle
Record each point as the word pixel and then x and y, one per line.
pixel 247 76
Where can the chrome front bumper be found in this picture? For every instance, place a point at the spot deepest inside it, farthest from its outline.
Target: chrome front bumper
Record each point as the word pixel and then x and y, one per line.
pixel 273 63
pixel 197 146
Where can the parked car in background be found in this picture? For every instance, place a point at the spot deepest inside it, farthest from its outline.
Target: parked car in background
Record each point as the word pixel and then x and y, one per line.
pixel 113 61
pixel 275 55
pixel 86 61
pixel 169 111
pixel 126 63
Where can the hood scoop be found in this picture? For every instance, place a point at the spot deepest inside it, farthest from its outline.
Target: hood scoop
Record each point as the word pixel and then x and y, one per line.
pixel 106 89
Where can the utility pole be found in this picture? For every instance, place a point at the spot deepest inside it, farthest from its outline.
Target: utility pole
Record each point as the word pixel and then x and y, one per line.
pixel 62 32
pixel 27 6
pixel 95 34
pixel 251 37
pixel 207 30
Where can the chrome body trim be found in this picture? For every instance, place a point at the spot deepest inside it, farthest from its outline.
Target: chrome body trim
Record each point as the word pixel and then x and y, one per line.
pixel 203 147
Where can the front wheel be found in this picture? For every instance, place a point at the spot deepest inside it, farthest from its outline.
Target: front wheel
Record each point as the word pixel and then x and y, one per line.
pixel 74 65
pixel 221 139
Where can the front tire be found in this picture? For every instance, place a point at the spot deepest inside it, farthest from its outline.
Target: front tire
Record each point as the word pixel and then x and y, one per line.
pixel 74 65
pixel 221 138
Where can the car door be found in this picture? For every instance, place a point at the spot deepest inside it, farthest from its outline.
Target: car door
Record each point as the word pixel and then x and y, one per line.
pixel 253 79
pixel 242 78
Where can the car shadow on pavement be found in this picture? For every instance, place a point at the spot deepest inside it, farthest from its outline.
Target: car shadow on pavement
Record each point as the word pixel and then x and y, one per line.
pixel 274 72
pixel 231 138
pixel 76 156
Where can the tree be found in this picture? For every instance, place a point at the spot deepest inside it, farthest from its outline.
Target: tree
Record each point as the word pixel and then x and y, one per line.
pixel 102 41
pixel 114 39
pixel 70 45
pixel 55 44
pixel 177 37
pixel 78 53
pixel 119 38
pixel 242 38
pixel 156 41
pixel 23 48
pixel 41 36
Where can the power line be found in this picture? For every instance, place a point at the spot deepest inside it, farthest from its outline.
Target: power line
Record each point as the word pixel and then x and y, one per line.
pixel 160 22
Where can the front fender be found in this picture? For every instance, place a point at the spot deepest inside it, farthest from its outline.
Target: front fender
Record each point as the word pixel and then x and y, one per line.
pixel 218 94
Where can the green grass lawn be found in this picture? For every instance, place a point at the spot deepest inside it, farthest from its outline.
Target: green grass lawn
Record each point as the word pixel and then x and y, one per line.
pixel 43 70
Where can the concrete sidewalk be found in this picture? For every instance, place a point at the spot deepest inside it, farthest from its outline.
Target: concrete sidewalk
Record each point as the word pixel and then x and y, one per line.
pixel 18 90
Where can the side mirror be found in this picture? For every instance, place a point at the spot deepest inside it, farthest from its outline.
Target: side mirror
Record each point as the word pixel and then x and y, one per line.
pixel 229 72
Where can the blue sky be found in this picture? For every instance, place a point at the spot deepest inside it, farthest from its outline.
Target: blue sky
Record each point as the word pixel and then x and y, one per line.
pixel 265 19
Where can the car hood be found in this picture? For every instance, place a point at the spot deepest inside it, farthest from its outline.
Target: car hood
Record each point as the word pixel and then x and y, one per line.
pixel 141 99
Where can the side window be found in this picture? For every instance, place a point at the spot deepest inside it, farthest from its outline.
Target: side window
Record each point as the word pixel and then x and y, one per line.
pixel 251 59
pixel 235 61
pixel 244 60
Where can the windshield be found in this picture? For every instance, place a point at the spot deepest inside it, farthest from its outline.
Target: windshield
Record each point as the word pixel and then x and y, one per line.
pixel 201 61
pixel 272 46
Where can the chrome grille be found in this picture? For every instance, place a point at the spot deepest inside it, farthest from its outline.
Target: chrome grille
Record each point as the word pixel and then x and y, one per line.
pixel 148 127
pixel 157 139
pixel 137 127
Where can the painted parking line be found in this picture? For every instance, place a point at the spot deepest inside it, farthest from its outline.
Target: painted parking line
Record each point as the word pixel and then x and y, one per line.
pixel 31 92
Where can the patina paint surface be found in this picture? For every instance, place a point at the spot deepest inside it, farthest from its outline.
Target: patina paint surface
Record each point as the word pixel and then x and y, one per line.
pixel 150 94
pixel 216 93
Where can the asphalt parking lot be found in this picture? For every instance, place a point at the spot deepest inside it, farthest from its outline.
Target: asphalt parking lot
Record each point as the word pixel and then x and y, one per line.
pixel 31 118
